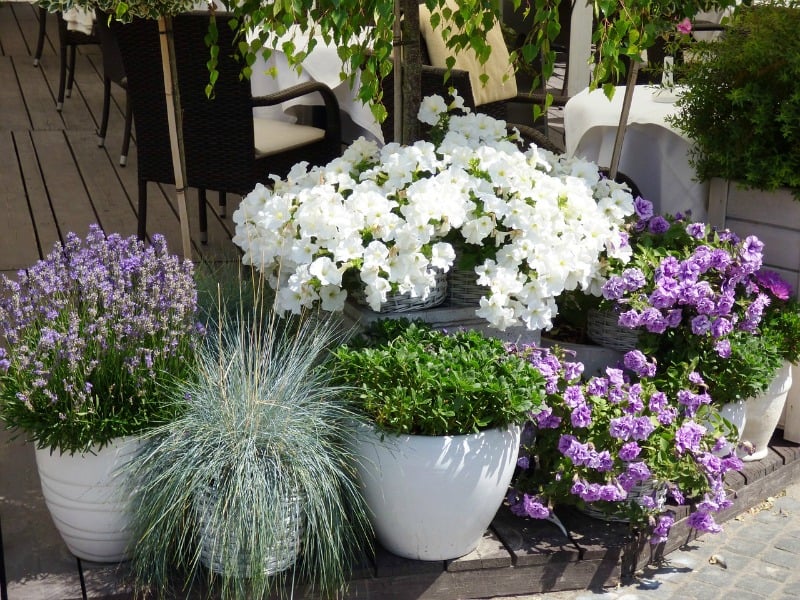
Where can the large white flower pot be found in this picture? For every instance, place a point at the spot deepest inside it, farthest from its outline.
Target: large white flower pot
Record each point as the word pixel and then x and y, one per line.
pixel 763 412
pixel 432 498
pixel 87 500
pixel 791 410
pixel 736 414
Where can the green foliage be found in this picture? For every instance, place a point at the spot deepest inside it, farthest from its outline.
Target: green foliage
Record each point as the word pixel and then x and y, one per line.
pixel 741 105
pixel 261 422
pixel 623 31
pixel 748 371
pixel 409 378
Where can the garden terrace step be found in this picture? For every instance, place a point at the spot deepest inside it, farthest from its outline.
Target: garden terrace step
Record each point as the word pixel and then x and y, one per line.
pixel 515 557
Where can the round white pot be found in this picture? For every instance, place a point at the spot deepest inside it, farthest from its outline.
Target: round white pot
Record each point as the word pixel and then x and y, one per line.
pixel 736 414
pixel 85 494
pixel 763 412
pixel 432 498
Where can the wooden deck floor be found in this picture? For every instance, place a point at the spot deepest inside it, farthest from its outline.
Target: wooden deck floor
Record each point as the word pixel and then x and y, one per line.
pixel 53 176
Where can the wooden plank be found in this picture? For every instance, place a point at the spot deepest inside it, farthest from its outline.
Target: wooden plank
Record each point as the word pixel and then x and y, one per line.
pixel 68 197
pixel 38 201
pixel 12 42
pixel 533 541
pixel 39 94
pixel 777 208
pixel 18 238
pixel 12 107
pixel 113 209
pixel 26 15
pixel 391 565
pixel 490 554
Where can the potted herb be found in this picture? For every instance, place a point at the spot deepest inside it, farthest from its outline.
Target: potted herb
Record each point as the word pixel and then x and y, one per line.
pixel 93 333
pixel 252 487
pixel 617 446
pixel 444 411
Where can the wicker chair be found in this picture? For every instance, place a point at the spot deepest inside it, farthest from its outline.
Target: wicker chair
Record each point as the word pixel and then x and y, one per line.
pixel 433 82
pixel 226 149
pixel 68 42
pixel 113 72
pixel 40 39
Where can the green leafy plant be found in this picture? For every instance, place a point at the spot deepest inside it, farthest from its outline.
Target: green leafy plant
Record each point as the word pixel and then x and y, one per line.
pixel 92 334
pixel 261 425
pixel 409 378
pixel 741 103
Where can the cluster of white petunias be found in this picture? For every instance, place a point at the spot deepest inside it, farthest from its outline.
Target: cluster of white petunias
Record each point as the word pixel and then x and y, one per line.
pixel 382 218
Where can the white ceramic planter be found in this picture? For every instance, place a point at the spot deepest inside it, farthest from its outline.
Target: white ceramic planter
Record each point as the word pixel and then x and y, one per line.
pixel 85 494
pixel 432 498
pixel 736 414
pixel 791 410
pixel 763 413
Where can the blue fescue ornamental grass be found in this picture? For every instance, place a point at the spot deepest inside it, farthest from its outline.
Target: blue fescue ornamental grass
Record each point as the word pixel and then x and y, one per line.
pixel 90 332
pixel 261 424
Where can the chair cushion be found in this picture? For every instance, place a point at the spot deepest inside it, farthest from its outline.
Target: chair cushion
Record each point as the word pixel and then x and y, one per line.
pixel 496 67
pixel 274 136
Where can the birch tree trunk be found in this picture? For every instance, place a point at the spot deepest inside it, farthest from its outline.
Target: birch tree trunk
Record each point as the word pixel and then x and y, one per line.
pixel 171 90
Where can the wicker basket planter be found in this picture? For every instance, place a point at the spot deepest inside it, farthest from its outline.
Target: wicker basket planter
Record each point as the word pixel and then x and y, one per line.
pixel 603 329
pixel 398 303
pixel 647 488
pixel 462 289
pixel 229 556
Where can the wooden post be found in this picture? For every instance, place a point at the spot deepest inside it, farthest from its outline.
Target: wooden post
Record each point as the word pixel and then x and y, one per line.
pixel 175 126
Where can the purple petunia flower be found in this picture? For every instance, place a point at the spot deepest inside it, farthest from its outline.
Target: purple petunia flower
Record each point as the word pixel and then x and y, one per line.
pixel 703 521
pixel 723 348
pixel 772 281
pixel 688 437
pixel 696 230
pixel 629 451
pixel 662 528
pixel 658 225
pixel 637 362
pixel 581 416
pixel 643 208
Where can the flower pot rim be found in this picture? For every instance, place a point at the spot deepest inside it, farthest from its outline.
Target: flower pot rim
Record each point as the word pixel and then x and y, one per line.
pixel 385 432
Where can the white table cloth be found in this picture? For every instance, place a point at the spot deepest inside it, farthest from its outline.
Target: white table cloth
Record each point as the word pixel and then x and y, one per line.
pixel 654 155
pixel 324 65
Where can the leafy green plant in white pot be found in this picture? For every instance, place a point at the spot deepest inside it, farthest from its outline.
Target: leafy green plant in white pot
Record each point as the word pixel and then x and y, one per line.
pixel 252 487
pixel 437 458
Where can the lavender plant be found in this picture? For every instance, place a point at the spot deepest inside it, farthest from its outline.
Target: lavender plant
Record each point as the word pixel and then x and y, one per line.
pixel 92 333
pixel 594 441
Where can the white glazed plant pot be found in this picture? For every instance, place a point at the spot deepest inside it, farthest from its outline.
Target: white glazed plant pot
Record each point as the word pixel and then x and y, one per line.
pixel 86 495
pixel 763 413
pixel 432 498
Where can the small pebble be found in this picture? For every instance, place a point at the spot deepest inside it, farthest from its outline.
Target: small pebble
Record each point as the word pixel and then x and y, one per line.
pixel 716 559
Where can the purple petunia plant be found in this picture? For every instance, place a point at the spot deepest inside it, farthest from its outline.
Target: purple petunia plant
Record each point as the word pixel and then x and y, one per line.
pixel 619 444
pixel 695 295
pixel 93 334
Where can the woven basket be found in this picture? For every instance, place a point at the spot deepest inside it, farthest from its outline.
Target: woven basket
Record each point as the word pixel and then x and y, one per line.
pixel 462 289
pixel 232 560
pixel 603 329
pixel 397 303
pixel 647 488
